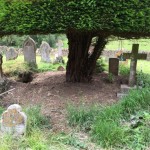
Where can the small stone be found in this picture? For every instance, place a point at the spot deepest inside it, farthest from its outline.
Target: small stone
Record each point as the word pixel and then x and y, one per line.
pixel 60 68
pixel 49 94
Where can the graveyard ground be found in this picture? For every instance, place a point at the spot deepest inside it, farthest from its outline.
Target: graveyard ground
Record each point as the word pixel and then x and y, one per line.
pixel 54 95
pixel 50 90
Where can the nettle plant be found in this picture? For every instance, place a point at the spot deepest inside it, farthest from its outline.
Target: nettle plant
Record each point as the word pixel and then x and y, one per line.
pixel 143 80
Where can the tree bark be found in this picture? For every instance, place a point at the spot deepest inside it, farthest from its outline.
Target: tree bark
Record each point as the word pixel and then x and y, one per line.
pixel 80 65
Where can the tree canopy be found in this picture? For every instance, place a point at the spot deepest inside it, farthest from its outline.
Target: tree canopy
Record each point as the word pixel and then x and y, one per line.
pixel 122 18
pixel 81 20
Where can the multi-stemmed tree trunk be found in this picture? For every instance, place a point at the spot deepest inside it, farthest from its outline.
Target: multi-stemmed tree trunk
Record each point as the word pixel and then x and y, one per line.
pixel 81 64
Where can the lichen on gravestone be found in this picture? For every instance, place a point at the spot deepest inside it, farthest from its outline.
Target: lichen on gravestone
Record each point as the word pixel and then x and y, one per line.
pixel 13 120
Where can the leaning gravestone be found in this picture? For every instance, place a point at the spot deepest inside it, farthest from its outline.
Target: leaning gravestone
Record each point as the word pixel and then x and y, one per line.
pixel 45 52
pixel 11 54
pixel 114 66
pixel 29 51
pixel 14 121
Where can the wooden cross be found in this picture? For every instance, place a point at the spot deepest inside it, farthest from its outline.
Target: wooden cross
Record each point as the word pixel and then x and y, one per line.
pixel 134 56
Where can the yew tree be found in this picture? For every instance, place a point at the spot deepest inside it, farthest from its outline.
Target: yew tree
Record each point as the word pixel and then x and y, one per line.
pixel 81 21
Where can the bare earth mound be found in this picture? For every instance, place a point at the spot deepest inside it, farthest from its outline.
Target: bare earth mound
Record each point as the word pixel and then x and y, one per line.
pixel 52 92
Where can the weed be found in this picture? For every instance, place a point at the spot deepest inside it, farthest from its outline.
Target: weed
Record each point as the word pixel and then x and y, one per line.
pixel 124 70
pixel 111 78
pixel 69 139
pixel 143 80
pixel 100 65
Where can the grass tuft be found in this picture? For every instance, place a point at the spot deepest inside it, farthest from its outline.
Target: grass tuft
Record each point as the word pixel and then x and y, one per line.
pixel 36 120
pixel 82 115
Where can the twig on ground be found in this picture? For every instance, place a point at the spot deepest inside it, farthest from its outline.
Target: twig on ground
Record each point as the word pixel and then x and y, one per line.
pixel 7 91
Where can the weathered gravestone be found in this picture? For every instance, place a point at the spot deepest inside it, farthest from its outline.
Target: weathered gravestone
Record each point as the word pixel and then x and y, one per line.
pixel 114 66
pixel 11 54
pixel 59 57
pixel 45 52
pixel 134 56
pixel 29 51
pixel 59 47
pixel 3 49
pixel 14 121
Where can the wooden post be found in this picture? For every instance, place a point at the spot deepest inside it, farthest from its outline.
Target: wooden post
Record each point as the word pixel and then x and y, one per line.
pixel 1 70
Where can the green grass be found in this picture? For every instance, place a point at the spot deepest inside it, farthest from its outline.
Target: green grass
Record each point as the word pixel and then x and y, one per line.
pixel 36 120
pixel 14 67
pixel 127 44
pixel 1 110
pixel 39 135
pixel 109 125
pixel 82 115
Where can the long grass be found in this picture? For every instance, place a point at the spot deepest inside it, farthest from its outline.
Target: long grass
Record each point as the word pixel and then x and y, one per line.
pixel 107 124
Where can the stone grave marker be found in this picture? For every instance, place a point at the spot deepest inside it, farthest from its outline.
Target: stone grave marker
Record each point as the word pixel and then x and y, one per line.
pixel 3 49
pixel 148 57
pixel 14 121
pixel 29 51
pixel 58 57
pixel 11 54
pixel 45 52
pixel 114 66
pixel 134 56
pixel 59 47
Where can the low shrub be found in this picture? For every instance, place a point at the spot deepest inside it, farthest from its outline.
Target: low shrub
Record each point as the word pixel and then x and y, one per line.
pixel 100 65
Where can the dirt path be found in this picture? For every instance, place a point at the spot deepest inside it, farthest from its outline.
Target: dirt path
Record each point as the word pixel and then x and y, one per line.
pixel 52 92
